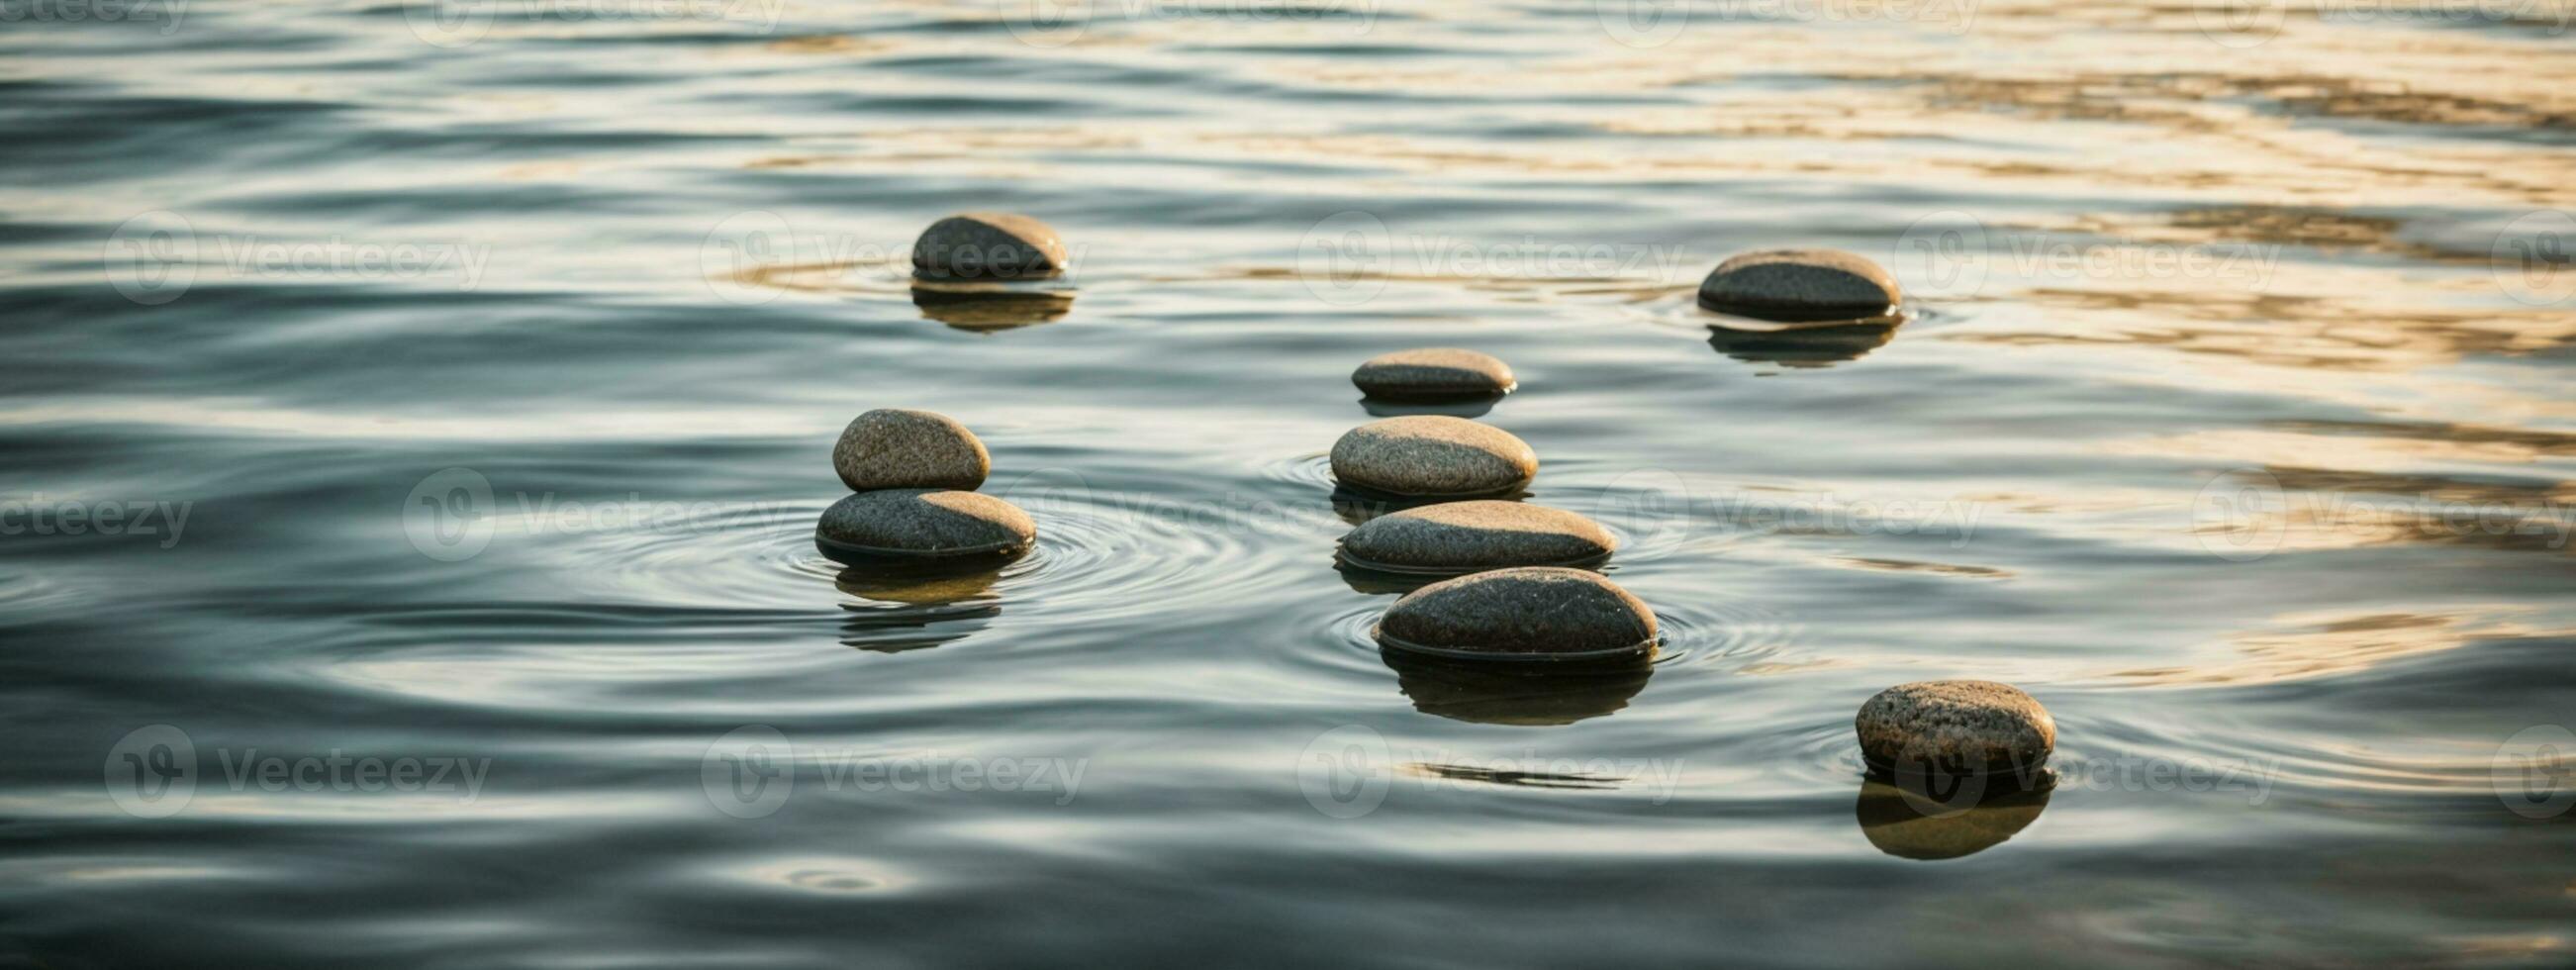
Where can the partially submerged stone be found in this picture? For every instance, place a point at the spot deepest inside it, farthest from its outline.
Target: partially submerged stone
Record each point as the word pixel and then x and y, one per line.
pixel 1433 374
pixel 1955 726
pixel 1539 613
pixel 1800 285
pixel 903 448
pixel 922 523
pixel 989 246
pixel 1457 537
pixel 1433 455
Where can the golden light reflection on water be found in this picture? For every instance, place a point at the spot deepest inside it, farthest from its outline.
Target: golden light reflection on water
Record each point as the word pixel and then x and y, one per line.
pixel 2304 646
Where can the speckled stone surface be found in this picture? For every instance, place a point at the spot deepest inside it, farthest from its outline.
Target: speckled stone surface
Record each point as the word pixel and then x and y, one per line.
pixel 1457 537
pixel 899 448
pixel 989 246
pixel 1955 726
pixel 1434 373
pixel 923 522
pixel 1799 285
pixel 1537 613
pixel 1429 454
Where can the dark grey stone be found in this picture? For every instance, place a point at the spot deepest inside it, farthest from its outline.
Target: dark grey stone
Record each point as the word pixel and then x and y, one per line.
pixel 1800 285
pixel 1537 613
pixel 901 448
pixel 989 246
pixel 1434 373
pixel 1457 537
pixel 1433 455
pixel 921 522
pixel 1943 726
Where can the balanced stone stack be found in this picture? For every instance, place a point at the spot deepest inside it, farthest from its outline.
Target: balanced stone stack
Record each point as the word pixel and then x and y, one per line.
pixel 915 475
pixel 1518 599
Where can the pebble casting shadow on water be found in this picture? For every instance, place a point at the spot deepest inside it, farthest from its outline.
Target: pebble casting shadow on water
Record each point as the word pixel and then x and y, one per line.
pixel 1519 635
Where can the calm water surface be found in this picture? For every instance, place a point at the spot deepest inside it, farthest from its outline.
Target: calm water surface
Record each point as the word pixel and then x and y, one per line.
pixel 494 364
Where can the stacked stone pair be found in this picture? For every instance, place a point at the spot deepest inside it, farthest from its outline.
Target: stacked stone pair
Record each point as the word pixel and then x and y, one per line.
pixel 915 474
pixel 1521 591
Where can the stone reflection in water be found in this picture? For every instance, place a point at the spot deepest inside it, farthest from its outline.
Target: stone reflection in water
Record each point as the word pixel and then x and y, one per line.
pixel 1358 505
pixel 1467 408
pixel 992 307
pixel 1526 693
pixel 1947 817
pixel 1802 346
pixel 926 585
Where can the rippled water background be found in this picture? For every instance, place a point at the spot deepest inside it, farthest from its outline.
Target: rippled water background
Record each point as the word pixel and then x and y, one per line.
pixel 460 391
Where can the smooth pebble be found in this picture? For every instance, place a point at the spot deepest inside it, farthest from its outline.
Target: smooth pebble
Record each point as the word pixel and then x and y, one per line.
pixel 1456 537
pixel 1536 613
pixel 1433 455
pixel 989 246
pixel 1433 373
pixel 1799 285
pixel 902 448
pixel 1955 726
pixel 921 522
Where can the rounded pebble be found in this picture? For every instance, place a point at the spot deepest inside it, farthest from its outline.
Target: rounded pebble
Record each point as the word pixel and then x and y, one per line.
pixel 1458 537
pixel 989 246
pixel 1432 374
pixel 1534 613
pixel 921 522
pixel 1433 455
pixel 900 448
pixel 1799 285
pixel 1955 726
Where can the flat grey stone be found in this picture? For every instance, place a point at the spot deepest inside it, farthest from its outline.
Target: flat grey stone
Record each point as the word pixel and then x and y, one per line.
pixel 1457 537
pixel 1433 373
pixel 902 448
pixel 1536 613
pixel 922 522
pixel 989 246
pixel 1955 726
pixel 1799 285
pixel 1433 455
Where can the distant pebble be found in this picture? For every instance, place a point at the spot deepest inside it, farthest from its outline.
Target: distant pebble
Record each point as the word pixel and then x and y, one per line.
pixel 1457 537
pixel 1961 726
pixel 989 246
pixel 1799 285
pixel 920 522
pixel 1433 455
pixel 1540 613
pixel 1433 373
pixel 901 448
